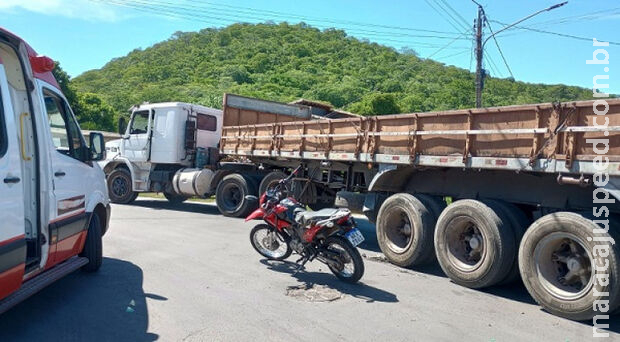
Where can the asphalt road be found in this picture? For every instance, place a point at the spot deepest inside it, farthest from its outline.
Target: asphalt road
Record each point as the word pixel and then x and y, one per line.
pixel 186 273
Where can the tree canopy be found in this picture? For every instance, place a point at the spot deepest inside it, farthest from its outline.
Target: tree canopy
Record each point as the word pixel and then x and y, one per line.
pixel 284 62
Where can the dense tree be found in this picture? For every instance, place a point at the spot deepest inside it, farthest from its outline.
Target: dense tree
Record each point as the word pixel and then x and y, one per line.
pixel 90 109
pixel 284 62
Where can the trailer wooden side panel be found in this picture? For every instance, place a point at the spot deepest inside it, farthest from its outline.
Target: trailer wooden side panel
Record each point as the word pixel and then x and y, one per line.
pixel 556 132
pixel 240 111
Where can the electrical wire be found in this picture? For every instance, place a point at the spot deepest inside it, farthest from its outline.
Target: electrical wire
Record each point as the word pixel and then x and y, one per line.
pixel 203 10
pixel 552 33
pixel 501 53
pixel 321 19
pixel 185 14
pixel 454 25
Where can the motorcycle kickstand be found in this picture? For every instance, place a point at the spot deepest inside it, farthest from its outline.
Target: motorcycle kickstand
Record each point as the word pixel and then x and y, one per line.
pixel 303 260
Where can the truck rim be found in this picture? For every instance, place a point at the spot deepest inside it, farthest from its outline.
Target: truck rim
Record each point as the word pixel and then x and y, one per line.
pixel 399 231
pixel 466 244
pixel 119 186
pixel 564 265
pixel 233 195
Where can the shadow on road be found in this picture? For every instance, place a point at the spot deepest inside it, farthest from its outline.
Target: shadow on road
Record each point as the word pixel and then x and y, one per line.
pixel 109 305
pixel 360 290
pixel 370 234
pixel 189 207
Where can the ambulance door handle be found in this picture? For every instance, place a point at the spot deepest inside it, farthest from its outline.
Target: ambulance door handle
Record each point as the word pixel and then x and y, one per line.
pixel 11 180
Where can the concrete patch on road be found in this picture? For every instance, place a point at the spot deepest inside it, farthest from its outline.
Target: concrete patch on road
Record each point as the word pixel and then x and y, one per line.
pixel 314 293
pixel 378 257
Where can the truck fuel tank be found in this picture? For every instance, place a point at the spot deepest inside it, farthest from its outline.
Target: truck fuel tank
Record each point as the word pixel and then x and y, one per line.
pixel 192 182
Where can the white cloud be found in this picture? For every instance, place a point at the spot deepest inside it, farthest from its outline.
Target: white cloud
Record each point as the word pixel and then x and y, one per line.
pixel 92 10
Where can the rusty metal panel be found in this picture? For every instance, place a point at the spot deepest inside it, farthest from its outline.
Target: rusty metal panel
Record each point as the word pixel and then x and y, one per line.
pixel 541 131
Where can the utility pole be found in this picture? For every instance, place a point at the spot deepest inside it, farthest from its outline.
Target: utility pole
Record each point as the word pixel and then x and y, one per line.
pixel 481 73
pixel 479 54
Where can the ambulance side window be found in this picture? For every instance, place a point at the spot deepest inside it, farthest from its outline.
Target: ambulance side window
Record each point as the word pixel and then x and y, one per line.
pixel 66 134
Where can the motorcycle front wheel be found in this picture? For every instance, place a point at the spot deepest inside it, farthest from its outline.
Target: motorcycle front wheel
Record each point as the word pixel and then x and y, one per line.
pixel 268 243
pixel 351 268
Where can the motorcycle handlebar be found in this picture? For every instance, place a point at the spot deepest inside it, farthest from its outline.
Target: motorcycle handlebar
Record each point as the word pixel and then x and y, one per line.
pixel 288 179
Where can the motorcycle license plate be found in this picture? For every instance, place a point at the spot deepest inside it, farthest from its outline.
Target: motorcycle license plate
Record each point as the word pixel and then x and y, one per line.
pixel 354 236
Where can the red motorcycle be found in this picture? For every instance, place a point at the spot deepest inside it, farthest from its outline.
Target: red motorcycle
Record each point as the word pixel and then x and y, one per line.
pixel 328 235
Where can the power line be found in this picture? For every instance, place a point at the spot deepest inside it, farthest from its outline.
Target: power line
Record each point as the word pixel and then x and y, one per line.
pixel 446 19
pixel 452 55
pixel 250 10
pixel 322 19
pixel 446 46
pixel 553 33
pixel 457 14
pixel 600 14
pixel 186 14
pixel 200 9
pixel 493 65
pixel 501 53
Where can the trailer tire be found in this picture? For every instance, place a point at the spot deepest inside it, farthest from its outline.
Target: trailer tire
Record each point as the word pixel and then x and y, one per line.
pixel 120 187
pixel 174 198
pixel 270 180
pixel 475 245
pixel 519 222
pixel 230 195
pixel 405 230
pixel 556 242
pixel 93 247
pixel 435 204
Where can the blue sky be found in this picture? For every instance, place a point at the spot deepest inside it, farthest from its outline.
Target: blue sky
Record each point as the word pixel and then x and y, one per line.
pixel 86 34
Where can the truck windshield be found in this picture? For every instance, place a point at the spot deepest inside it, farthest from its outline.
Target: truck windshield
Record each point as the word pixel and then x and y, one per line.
pixel 140 122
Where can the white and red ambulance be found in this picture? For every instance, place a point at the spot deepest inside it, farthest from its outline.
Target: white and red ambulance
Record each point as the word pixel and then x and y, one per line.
pixel 54 206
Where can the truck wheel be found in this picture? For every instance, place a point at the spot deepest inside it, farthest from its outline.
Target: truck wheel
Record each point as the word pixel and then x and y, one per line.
pixel 175 198
pixel 519 223
pixel 475 244
pixel 120 187
pixel 230 196
pixel 270 180
pixel 93 247
pixel 435 204
pixel 405 230
pixel 556 258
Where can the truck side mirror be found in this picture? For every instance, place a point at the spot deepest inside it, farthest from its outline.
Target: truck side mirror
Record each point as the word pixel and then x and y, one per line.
pixel 122 126
pixel 97 146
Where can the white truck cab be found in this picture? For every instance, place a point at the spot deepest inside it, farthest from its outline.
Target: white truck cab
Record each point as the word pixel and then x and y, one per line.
pixel 166 147
pixel 54 206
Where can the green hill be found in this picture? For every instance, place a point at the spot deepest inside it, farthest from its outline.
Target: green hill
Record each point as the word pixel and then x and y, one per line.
pixel 284 62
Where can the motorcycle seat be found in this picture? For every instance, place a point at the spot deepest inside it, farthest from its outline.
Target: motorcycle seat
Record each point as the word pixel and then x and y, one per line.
pixel 304 217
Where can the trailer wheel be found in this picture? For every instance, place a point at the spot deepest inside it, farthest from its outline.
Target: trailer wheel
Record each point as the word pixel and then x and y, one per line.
pixel 120 187
pixel 475 244
pixel 230 195
pixel 175 198
pixel 270 180
pixel 93 247
pixel 435 204
pixel 405 230
pixel 556 259
pixel 519 223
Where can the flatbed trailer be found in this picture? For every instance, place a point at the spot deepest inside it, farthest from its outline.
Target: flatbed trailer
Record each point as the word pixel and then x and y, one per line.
pixel 520 180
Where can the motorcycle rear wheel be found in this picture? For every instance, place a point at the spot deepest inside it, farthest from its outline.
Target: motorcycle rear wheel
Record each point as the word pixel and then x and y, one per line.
pixel 353 264
pixel 268 243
